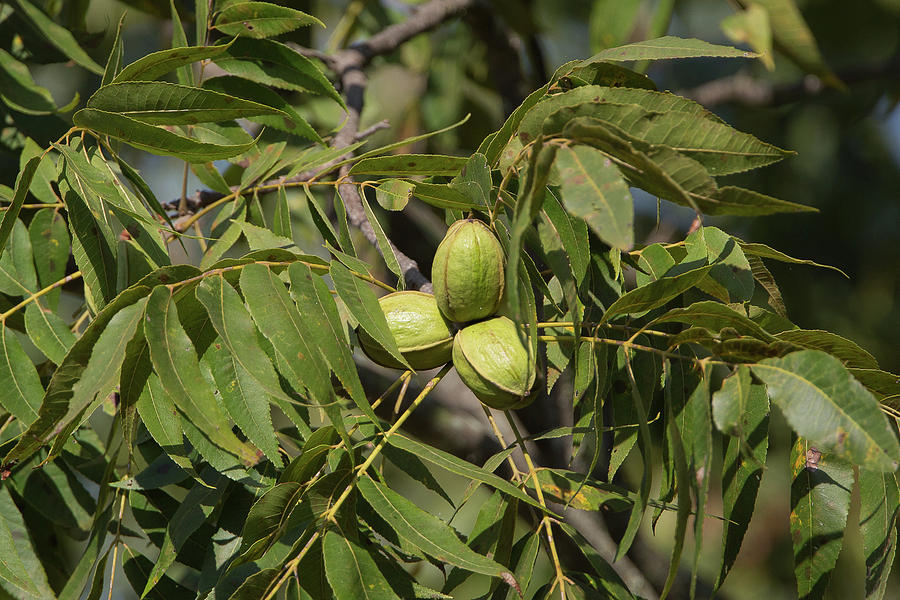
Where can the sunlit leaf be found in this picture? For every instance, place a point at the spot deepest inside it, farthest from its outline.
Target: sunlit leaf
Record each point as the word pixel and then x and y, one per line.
pixel 19 565
pixel 48 332
pixel 828 407
pixel 156 64
pixel 261 19
pixel 363 305
pixel 400 165
pixel 820 501
pixel 425 531
pixel 155 139
pixel 666 48
pixel 162 103
pixel 352 572
pixel 177 364
pixel 655 293
pixel 879 505
pixel 745 459
pixel 593 189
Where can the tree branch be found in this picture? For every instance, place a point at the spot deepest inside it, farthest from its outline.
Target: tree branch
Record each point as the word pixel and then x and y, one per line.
pixel 348 65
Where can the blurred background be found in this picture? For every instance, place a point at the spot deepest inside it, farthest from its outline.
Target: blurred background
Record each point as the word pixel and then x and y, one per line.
pixel 847 163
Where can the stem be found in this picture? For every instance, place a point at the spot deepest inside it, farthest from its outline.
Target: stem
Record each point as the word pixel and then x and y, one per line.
pixel 40 293
pixel 517 475
pixel 291 567
pixel 329 514
pixel 112 574
pixel 36 206
pixel 182 204
pixel 561 579
pixel 628 344
pixel 571 325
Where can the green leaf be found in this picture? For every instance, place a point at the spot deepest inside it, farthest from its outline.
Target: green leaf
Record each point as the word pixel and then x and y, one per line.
pixel 175 361
pixel 794 39
pixel 731 278
pixel 137 568
pixel 668 47
pixel 58 36
pixel 114 61
pixel 250 90
pixel 364 306
pixel 48 332
pixel 20 567
pixel 827 406
pixel 394 194
pixel 576 491
pixel 55 413
pixel 352 572
pixel 729 404
pixel 847 351
pixel 261 19
pixel 163 422
pixel 655 294
pixel 885 385
pixel 607 74
pixel 93 251
pixel 400 165
pixel 730 200
pixel 456 465
pixel 763 251
pixel 879 504
pixel 320 314
pixel 820 501
pixel 185 74
pixel 155 140
pixel 50 245
pixel 236 330
pixel 655 117
pixel 245 400
pixel 676 388
pixel 385 247
pixel 425 531
pixel 611 22
pixel 312 456
pixel 19 378
pixel 42 186
pixel 751 27
pixel 660 170
pixel 715 316
pixel 572 235
pixel 609 579
pixel 11 214
pixel 474 180
pixel 744 462
pixel 498 142
pixel 19 91
pixel 163 103
pixel 156 64
pixel 442 196
pixel 593 190
pixel 273 64
pixel 191 513
pixel 256 585
pixel 267 519
pixel 282 324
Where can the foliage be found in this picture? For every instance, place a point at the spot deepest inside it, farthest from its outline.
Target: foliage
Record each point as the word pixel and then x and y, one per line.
pixel 207 425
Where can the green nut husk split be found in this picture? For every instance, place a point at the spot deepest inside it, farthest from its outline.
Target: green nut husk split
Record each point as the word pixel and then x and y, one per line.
pixel 494 363
pixel 422 333
pixel 468 272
